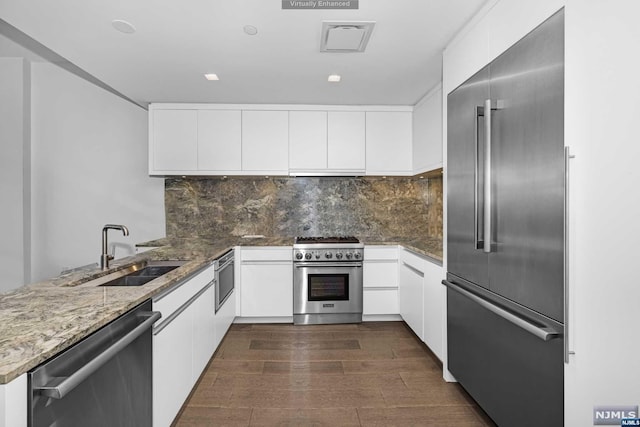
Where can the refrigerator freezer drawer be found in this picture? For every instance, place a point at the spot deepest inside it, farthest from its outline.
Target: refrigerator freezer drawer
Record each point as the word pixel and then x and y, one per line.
pixel 516 377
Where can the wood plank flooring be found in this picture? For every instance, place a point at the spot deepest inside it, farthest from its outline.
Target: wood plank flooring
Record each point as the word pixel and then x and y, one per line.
pixel 368 374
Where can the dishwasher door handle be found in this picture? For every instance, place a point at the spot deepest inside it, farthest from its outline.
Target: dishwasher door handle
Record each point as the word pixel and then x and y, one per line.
pixel 59 387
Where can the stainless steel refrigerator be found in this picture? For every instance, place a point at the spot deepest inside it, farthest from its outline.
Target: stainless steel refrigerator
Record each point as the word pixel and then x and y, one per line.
pixel 505 232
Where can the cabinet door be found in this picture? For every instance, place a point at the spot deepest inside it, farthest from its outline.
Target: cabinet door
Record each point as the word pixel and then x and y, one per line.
pixel 172 368
pixel 267 289
pixel 307 140
pixel 389 143
pixel 434 300
pixel 411 297
pixel 225 317
pixel 427 133
pixel 13 403
pixel 219 140
pixel 265 142
pixel 204 331
pixel 346 140
pixel 174 142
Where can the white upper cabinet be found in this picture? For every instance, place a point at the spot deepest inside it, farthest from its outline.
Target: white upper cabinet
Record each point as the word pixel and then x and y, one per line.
pixel 427 132
pixel 219 140
pixel 265 142
pixel 327 143
pixel 492 31
pixel 346 141
pixel 307 140
pixel 208 139
pixel 197 142
pixel 174 139
pixel 389 143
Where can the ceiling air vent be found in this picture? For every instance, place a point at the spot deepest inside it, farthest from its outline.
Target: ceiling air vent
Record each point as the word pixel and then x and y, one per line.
pixel 343 36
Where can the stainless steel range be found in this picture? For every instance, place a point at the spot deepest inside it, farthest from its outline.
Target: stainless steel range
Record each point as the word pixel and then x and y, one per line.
pixel 327 280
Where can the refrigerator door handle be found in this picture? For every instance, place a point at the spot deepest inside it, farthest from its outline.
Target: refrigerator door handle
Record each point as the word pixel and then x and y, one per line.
pixel 567 348
pixel 487 176
pixel 545 333
pixel 479 243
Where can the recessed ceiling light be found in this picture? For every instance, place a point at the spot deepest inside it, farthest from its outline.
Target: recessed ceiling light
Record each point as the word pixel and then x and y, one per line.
pixel 334 78
pixel 123 26
pixel 250 30
pixel 211 76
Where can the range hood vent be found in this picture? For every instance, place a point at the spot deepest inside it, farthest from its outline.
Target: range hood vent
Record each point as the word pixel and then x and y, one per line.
pixel 345 36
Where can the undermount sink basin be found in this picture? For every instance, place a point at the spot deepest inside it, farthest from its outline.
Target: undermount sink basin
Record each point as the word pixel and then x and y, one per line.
pixel 138 274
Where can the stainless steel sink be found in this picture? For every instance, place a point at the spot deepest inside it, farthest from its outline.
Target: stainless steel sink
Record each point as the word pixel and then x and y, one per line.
pixel 137 274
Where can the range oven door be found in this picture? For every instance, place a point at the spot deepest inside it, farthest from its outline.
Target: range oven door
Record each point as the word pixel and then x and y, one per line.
pixel 327 289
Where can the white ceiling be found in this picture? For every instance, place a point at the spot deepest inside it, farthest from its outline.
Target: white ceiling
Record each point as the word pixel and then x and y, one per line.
pixel 176 42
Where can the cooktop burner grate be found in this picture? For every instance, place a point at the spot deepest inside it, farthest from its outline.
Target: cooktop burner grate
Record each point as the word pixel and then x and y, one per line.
pixel 333 239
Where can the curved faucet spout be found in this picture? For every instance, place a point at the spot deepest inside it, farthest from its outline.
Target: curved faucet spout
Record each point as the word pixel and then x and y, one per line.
pixel 123 228
pixel 105 257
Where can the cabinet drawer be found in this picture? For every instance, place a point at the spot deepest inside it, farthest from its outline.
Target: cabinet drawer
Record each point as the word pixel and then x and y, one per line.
pixel 412 260
pixel 170 302
pixel 381 253
pixel 380 301
pixel 267 253
pixel 380 274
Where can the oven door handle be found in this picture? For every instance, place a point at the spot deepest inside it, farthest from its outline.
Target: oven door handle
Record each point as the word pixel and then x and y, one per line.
pixel 328 264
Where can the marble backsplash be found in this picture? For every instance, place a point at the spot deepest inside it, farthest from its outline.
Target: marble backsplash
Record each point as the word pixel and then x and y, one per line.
pixel 376 207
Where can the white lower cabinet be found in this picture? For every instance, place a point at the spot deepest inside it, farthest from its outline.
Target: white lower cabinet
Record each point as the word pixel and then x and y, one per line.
pixel 422 298
pixel 266 282
pixel 380 280
pixel 224 318
pixel 13 402
pixel 434 300
pixel 411 276
pixel 380 301
pixel 204 331
pixel 183 343
pixel 172 368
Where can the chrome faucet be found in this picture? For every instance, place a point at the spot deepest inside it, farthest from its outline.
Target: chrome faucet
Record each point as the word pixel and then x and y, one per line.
pixel 105 257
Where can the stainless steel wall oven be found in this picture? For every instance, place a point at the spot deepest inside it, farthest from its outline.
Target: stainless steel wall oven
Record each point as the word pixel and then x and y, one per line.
pixel 327 280
pixel 224 278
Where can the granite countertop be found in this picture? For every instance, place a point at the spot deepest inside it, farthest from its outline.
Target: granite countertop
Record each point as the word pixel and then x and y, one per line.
pixel 428 247
pixel 39 320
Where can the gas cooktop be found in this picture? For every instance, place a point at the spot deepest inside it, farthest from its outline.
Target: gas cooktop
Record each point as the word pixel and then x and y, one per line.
pixel 331 239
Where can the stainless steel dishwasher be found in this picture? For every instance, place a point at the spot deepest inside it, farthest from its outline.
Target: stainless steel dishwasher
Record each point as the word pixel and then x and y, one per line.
pixel 104 380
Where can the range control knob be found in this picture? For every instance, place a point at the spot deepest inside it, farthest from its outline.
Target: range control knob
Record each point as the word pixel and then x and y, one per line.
pixel 298 255
pixel 328 255
pixel 317 255
pixel 307 255
pixel 339 255
pixel 357 255
pixel 349 255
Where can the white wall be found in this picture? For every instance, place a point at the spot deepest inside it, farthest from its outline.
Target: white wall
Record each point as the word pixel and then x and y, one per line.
pixel 89 168
pixel 14 140
pixel 427 132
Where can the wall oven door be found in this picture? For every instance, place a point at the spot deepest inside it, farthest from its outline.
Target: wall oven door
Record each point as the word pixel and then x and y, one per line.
pixel 327 292
pixel 224 278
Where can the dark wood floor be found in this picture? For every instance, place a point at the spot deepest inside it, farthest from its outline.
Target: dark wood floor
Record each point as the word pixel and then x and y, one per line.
pixel 369 374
